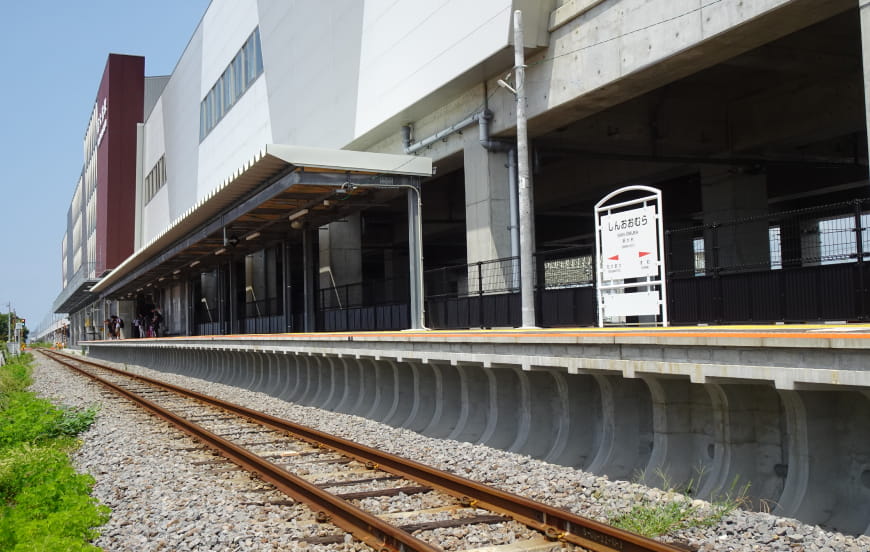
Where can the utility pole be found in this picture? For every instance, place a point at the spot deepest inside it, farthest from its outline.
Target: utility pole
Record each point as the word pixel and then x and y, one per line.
pixel 9 322
pixel 527 233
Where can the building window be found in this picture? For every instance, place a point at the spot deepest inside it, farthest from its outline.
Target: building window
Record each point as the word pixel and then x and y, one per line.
pixel 239 75
pixel 156 179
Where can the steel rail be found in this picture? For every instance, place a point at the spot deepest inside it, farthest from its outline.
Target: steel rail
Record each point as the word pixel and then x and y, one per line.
pixel 556 523
pixel 369 529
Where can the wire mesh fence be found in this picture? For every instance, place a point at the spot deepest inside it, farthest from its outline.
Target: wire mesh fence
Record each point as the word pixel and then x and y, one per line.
pixel 818 236
pixel 799 265
pixel 790 266
pixel 369 305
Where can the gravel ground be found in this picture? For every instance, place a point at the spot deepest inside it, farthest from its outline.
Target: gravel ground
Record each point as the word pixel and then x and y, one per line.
pixel 166 496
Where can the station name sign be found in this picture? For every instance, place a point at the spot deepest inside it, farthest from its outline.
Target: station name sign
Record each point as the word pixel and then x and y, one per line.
pixel 102 120
pixel 629 248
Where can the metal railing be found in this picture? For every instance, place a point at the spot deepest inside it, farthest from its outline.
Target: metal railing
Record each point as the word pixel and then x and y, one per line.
pixel 84 273
pixel 369 305
pixel 791 266
pixel 486 294
pixel 800 265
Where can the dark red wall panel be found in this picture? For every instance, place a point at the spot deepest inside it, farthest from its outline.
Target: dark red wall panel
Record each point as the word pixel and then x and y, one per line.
pixel 123 89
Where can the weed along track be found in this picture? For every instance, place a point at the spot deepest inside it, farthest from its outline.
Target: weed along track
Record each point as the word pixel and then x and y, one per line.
pixel 386 501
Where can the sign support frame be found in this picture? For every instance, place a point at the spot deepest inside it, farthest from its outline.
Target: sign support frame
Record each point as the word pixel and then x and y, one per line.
pixel 606 285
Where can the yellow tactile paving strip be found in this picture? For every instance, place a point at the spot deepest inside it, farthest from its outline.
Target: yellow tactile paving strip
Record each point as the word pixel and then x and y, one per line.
pixel 769 331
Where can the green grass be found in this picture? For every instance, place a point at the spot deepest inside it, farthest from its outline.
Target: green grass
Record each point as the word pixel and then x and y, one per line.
pixel 653 518
pixel 44 504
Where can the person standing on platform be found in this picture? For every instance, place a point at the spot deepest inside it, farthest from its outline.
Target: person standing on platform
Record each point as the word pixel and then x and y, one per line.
pixel 119 327
pixel 156 320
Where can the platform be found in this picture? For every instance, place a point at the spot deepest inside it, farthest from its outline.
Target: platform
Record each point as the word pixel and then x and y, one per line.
pixel 788 356
pixel 785 409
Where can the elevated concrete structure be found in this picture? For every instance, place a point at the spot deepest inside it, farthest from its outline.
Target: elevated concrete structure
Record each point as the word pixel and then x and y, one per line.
pixel 713 407
pixel 751 117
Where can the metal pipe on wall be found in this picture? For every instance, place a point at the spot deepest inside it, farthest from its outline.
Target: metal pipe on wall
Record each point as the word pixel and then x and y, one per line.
pixel 510 147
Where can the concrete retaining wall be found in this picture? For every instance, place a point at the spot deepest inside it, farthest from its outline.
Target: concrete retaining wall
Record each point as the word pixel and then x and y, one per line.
pixel 802 449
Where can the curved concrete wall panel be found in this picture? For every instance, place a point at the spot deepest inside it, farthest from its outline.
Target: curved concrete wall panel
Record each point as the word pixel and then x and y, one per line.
pixel 803 452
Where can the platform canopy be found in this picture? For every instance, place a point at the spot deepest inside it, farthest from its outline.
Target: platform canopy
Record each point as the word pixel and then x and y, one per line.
pixel 311 186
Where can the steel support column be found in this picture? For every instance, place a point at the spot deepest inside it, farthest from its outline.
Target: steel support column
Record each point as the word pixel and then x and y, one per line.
pixel 310 267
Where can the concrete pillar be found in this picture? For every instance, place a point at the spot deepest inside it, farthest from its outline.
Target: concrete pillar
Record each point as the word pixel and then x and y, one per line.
pixel 309 263
pixel 232 298
pixel 287 286
pixel 341 252
pixel 487 206
pixel 730 194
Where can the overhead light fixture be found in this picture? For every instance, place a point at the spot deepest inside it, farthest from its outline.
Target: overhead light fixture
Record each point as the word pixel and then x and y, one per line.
pixel 505 85
pixel 327 203
pixel 221 251
pixel 298 214
pixel 252 236
pixel 140 289
pixel 149 284
pixel 178 271
pixel 230 240
pixel 161 278
pixel 194 263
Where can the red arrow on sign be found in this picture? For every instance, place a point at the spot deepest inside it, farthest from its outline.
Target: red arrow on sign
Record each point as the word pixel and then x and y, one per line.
pixel 643 253
pixel 613 258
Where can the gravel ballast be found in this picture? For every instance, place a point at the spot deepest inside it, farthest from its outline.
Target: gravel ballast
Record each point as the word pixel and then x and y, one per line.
pixel 167 494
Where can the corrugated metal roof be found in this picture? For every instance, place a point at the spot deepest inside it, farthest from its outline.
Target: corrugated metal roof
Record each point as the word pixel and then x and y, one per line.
pixel 272 161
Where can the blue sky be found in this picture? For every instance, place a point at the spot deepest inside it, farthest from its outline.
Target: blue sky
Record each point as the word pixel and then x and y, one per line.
pixel 52 56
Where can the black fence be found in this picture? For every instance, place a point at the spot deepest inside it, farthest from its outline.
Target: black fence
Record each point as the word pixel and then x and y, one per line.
pixel 254 317
pixel 375 305
pixel 792 266
pixel 486 294
pixel 482 294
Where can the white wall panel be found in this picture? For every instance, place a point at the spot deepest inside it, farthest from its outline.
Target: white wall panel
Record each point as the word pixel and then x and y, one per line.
pixel 311 58
pixel 225 27
pixel 156 217
pixel 155 146
pixel 243 132
pixel 410 49
pixel 181 128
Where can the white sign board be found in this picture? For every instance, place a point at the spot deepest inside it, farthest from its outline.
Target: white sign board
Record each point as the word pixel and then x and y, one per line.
pixel 638 303
pixel 629 247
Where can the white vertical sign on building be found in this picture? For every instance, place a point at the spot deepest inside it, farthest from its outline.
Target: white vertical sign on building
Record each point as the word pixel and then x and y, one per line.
pixel 629 252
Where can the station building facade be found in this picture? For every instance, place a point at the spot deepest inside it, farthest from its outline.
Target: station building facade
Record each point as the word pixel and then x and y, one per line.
pixel 749 116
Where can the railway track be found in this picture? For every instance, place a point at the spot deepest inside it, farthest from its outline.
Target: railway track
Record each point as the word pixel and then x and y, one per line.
pixel 353 486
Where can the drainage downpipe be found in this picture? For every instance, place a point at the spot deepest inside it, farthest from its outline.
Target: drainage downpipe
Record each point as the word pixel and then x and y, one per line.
pixel 513 184
pixel 408 147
